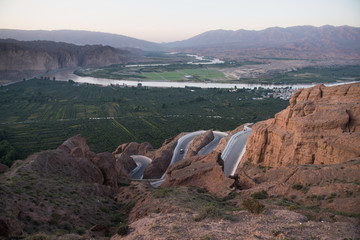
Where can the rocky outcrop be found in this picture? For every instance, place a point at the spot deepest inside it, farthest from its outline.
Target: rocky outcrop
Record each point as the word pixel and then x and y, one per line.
pixel 200 171
pixel 59 162
pixel 125 162
pixel 133 148
pixel 161 159
pixel 199 142
pixel 106 163
pixel 321 126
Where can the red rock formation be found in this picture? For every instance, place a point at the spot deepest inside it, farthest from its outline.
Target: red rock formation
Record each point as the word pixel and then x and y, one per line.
pixel 200 171
pixel 106 163
pixel 125 162
pixel 161 159
pixel 199 142
pixel 59 162
pixel 77 147
pixel 133 148
pixel 321 126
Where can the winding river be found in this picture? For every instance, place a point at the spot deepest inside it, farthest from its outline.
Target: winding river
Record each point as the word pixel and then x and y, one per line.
pixel 68 74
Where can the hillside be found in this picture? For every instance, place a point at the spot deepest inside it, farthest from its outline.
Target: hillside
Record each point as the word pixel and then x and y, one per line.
pixel 73 193
pixel 24 59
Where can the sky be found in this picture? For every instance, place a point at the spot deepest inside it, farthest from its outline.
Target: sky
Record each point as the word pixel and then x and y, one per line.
pixel 173 20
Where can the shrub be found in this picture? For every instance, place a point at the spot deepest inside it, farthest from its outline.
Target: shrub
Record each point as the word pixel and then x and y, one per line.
pixel 253 206
pixel 297 186
pixel 123 229
pixel 260 195
pixel 293 207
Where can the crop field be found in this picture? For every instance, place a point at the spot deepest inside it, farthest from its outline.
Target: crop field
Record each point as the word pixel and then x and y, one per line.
pixel 157 73
pixel 40 114
pixel 193 75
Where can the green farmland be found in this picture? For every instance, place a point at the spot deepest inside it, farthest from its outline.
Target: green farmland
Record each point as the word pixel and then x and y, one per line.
pixel 40 114
pixel 174 72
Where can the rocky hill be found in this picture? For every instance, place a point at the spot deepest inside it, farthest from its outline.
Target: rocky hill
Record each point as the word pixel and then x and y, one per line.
pixel 321 126
pixel 20 60
pixel 299 179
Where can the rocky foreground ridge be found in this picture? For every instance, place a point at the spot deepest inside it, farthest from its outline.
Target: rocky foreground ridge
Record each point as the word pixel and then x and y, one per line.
pixel 307 189
pixel 321 126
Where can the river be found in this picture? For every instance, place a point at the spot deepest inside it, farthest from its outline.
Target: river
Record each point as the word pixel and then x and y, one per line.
pixel 68 74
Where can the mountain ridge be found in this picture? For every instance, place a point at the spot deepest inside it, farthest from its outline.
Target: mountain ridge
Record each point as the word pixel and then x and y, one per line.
pixel 266 37
pixel 79 37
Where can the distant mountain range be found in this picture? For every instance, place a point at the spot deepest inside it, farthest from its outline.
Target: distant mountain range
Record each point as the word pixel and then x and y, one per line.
pixel 79 38
pixel 300 36
pixel 345 36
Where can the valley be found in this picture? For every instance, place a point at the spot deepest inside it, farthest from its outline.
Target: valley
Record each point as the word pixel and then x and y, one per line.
pixel 40 114
pixel 180 67
pixel 226 135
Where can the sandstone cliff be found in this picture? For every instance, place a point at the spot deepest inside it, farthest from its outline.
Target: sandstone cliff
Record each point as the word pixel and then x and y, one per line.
pixel 26 59
pixel 321 126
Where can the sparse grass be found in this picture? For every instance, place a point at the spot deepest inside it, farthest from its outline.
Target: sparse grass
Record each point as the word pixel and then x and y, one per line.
pixel 253 206
pixel 211 211
pixel 162 192
pixel 299 187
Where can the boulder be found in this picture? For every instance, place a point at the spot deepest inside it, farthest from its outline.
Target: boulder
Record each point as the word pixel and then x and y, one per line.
pixel 199 142
pixel 76 146
pixel 3 168
pixel 10 227
pixel 106 163
pixel 321 126
pixel 125 162
pixel 200 171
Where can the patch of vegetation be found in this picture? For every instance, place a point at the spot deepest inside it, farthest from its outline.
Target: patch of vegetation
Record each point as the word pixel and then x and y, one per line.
pixel 162 192
pixel 260 195
pixel 211 211
pixel 253 206
pixel 123 229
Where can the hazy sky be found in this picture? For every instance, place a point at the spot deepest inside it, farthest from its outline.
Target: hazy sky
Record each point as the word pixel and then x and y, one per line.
pixel 170 20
